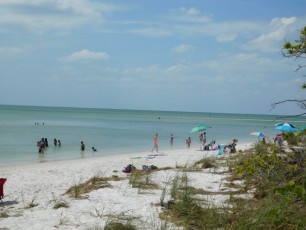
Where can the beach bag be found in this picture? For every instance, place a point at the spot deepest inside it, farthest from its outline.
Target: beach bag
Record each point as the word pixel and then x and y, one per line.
pixel 151 167
pixel 129 168
pixel 145 167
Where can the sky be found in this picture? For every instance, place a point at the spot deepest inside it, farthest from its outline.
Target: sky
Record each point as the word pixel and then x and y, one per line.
pixel 170 55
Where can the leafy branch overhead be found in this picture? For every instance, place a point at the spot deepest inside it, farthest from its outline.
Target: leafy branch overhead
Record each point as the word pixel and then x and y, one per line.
pixel 295 50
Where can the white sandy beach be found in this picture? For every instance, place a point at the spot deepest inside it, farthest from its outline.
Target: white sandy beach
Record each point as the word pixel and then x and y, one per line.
pixel 43 183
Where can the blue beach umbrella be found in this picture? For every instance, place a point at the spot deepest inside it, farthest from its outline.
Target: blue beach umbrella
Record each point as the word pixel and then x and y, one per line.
pixel 199 128
pixel 285 127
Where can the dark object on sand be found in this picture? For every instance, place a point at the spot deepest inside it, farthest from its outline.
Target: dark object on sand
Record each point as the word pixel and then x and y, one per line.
pixel 149 168
pixel 129 168
pixel 2 181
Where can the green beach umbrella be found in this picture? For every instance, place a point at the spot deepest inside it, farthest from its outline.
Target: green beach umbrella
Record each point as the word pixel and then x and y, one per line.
pixel 199 128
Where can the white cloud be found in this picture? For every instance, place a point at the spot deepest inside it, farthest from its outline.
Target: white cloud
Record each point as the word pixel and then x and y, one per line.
pixel 41 16
pixel 9 50
pixel 86 55
pixel 182 48
pixel 274 34
pixel 226 37
pixel 245 66
pixel 189 15
pixel 221 31
pixel 177 69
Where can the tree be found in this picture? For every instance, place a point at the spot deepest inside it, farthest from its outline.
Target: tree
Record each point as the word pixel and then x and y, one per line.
pixel 296 50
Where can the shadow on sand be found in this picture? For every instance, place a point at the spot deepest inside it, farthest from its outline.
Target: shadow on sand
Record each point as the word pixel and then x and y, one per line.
pixel 8 203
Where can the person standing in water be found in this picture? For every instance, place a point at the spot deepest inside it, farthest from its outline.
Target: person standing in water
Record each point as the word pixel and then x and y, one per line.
pixel 82 146
pixel 155 143
pixel 188 142
pixel 171 139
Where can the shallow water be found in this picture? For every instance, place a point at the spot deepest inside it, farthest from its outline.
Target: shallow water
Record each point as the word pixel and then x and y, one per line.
pixel 114 131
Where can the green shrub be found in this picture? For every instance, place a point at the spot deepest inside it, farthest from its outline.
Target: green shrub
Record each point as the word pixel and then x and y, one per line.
pixel 292 138
pixel 207 162
pixel 119 226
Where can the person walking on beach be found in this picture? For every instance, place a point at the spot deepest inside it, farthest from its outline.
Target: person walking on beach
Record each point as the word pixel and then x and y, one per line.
pixel 155 143
pixel 171 139
pixel 82 146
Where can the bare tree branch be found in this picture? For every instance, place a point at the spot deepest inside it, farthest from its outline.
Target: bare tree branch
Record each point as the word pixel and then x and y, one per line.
pixel 300 67
pixel 300 103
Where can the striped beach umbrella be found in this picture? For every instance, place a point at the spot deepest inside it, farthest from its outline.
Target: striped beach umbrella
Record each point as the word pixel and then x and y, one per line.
pixel 260 134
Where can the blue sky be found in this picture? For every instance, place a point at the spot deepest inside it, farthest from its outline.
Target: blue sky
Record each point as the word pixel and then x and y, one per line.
pixel 174 55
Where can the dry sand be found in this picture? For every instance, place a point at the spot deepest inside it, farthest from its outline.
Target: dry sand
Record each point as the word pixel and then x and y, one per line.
pixel 45 184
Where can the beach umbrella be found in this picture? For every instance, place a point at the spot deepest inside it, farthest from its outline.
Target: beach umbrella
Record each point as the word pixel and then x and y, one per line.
pixel 260 134
pixel 285 127
pixel 284 124
pixel 199 128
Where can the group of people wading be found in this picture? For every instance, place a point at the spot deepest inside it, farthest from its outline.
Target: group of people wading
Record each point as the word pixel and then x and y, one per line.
pixel 43 144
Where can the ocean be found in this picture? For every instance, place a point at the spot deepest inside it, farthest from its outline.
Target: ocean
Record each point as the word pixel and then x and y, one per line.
pixel 115 131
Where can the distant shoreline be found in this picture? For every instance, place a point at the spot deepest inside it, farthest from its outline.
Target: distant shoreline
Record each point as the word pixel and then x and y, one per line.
pixel 146 110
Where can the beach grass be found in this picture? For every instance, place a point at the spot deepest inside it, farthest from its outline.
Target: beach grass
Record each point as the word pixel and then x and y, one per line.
pixel 184 210
pixel 32 202
pixel 4 214
pixel 206 162
pixel 63 220
pixel 80 188
pixel 121 220
pixel 119 226
pixel 59 202
pixel 141 179
pixel 276 185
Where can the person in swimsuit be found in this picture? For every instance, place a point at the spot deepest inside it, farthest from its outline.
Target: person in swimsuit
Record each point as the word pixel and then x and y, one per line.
pixel 155 143
pixel 171 139
pixel 82 146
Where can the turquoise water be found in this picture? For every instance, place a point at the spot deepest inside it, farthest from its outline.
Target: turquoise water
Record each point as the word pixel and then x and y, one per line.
pixel 114 131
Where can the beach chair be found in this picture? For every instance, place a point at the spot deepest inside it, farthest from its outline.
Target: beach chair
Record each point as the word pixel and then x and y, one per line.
pixel 232 146
pixel 2 181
